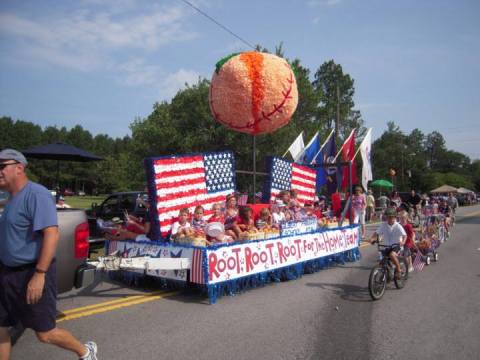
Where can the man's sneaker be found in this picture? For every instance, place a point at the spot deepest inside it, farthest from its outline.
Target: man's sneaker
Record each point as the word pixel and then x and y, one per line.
pixel 92 351
pixel 410 269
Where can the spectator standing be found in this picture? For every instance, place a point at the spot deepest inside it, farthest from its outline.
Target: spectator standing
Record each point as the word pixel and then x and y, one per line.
pixel 452 202
pixel 370 205
pixel 29 237
pixel 359 204
pixel 395 199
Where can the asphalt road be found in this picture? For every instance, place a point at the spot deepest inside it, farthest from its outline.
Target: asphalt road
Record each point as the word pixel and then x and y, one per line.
pixel 326 315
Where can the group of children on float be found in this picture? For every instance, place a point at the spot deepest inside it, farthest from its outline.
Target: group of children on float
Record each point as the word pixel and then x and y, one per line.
pixel 229 222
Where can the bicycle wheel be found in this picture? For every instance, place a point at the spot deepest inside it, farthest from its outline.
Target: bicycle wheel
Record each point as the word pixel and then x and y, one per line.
pixel 377 282
pixel 400 283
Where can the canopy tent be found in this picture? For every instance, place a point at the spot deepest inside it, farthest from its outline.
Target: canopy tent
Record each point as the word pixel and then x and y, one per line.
pixel 381 183
pixel 60 152
pixel 444 189
pixel 462 190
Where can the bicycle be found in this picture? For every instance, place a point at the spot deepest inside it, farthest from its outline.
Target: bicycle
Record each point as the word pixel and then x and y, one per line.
pixel 384 272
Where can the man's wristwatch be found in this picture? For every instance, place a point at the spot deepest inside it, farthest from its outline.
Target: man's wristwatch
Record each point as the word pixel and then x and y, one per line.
pixel 40 271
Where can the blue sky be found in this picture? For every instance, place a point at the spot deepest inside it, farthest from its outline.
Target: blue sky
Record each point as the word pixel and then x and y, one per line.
pixel 103 63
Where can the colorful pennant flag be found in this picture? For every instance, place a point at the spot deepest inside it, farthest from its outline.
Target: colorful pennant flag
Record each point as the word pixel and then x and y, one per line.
pixel 311 150
pixel 365 152
pixel 348 154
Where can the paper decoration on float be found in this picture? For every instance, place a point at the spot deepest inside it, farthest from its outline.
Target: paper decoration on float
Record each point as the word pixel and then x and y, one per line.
pixel 253 92
pixel 185 181
pixel 286 175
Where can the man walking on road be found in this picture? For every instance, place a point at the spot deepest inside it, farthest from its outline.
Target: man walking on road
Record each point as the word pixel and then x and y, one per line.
pixel 28 240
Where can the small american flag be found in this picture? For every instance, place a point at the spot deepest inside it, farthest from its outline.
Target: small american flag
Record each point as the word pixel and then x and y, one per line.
pixel 196 270
pixel 285 175
pixel 418 263
pixel 187 181
pixel 242 199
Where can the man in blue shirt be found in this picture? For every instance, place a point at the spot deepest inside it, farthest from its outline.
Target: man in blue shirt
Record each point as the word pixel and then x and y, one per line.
pixel 28 240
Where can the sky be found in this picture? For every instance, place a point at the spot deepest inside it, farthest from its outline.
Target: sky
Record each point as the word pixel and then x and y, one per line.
pixel 104 63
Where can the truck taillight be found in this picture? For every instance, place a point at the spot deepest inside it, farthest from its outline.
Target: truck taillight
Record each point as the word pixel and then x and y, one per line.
pixel 81 241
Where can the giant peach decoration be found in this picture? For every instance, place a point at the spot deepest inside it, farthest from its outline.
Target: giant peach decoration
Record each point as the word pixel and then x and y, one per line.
pixel 253 92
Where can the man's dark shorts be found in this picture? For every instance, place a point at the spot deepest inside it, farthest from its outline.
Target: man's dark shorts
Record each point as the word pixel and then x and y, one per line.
pixel 13 299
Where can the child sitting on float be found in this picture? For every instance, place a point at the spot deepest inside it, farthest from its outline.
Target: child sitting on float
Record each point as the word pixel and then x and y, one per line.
pixel 216 234
pixel 198 222
pixel 121 232
pixel 308 210
pixel 243 223
pixel 218 216
pixel 264 221
pixel 278 214
pixel 231 211
pixel 284 196
pixel 182 227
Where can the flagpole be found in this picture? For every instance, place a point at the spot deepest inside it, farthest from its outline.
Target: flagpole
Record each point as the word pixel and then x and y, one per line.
pixel 358 150
pixel 323 145
pixel 306 147
pixel 343 146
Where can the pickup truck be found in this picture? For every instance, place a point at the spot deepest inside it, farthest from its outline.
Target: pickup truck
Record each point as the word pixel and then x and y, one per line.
pixel 115 205
pixel 73 246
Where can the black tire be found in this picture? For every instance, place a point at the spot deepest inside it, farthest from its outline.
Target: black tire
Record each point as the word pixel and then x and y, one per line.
pixel 377 282
pixel 400 283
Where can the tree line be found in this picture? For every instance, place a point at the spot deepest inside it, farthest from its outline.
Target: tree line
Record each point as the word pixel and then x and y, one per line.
pixel 185 124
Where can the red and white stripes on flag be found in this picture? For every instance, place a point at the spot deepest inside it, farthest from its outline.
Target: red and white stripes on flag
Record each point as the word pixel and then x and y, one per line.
pixel 196 270
pixel 242 199
pixel 190 180
pixel 418 263
pixel 285 175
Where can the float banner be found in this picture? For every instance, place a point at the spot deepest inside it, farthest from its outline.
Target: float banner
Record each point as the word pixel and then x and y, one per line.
pixel 236 261
pixel 129 249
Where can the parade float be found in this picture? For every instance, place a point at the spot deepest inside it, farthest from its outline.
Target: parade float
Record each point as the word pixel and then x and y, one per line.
pixel 253 93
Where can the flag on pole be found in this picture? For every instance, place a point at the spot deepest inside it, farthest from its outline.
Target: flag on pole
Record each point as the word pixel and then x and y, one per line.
pixel 329 174
pixel 311 149
pixel 365 152
pixel 348 154
pixel 297 147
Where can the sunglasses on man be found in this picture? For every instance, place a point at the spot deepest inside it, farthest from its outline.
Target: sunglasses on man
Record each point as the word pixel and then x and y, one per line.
pixel 4 165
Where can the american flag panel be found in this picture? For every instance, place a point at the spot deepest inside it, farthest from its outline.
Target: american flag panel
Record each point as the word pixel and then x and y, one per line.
pixel 285 175
pixel 196 270
pixel 186 181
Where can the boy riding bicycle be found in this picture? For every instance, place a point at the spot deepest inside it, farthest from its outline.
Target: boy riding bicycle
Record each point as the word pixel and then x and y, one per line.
pixel 393 234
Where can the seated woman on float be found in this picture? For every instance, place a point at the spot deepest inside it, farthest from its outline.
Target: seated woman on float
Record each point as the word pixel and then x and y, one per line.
pixel 243 223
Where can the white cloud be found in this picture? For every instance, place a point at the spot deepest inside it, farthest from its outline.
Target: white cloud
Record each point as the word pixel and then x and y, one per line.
pixel 177 81
pixel 314 3
pixel 135 72
pixel 91 38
